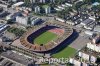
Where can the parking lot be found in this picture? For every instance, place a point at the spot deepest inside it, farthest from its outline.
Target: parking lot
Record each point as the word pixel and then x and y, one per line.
pixel 80 42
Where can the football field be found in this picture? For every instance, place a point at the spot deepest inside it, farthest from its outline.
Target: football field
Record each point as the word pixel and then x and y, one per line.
pixel 45 38
pixel 65 53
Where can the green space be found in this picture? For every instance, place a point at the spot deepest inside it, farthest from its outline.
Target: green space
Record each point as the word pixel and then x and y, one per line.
pixel 65 53
pixel 16 31
pixel 45 65
pixel 45 38
pixel 45 6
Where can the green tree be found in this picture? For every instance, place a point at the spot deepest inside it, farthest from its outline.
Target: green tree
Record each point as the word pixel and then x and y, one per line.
pixel 87 1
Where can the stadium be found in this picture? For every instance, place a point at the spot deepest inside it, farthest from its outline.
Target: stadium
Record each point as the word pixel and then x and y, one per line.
pixel 45 37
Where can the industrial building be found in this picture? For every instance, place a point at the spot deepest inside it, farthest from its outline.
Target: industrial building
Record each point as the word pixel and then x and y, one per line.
pixel 88 24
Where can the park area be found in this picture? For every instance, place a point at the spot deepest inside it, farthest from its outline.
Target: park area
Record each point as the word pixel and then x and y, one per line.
pixel 45 38
pixel 65 53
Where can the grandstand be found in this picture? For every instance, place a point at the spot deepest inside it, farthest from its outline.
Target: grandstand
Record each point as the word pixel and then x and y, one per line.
pixel 61 31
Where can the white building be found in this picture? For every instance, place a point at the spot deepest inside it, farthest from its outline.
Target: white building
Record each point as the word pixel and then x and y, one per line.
pixel 9 16
pixel 97 29
pixel 3 5
pixel 75 62
pixel 37 9
pixel 34 20
pixel 68 4
pixel 59 19
pixel 93 47
pixel 32 1
pixel 70 23
pixel 47 9
pixel 58 9
pixel 17 4
pixel 42 1
pixel 3 27
pixel 27 20
pixel 89 33
pixel 22 20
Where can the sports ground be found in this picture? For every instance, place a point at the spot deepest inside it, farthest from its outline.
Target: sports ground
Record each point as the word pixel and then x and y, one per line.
pixel 45 38
pixel 65 53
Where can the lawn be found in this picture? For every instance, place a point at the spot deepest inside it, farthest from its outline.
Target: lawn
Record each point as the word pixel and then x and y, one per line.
pixel 45 38
pixel 45 6
pixel 65 53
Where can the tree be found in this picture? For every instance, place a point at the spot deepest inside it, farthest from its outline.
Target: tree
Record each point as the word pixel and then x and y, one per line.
pixel 59 2
pixel 87 1
pixel 63 14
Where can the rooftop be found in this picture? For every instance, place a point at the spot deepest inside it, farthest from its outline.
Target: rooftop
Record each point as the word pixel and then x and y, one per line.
pixel 96 3
pixel 97 29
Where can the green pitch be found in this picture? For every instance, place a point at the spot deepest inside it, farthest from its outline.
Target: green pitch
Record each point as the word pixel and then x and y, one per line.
pixel 65 53
pixel 45 38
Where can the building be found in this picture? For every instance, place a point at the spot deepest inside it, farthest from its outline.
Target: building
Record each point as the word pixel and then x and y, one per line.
pixel 88 24
pixel 68 4
pixel 52 1
pixel 17 4
pixel 32 1
pixel 25 20
pixel 97 29
pixel 70 23
pixel 47 9
pixel 59 19
pixel 13 16
pixel 35 20
pixel 3 14
pixel 3 5
pixel 89 33
pixel 22 20
pixel 95 4
pixel 3 27
pixel 42 1
pixel 96 39
pixel 37 9
pixel 1 9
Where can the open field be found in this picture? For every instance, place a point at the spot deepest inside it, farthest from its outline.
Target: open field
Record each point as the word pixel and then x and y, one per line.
pixel 45 38
pixel 65 53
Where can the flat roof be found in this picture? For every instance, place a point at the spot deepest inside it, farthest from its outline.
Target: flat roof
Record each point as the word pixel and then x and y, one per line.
pixel 18 3
pixel 97 29
pixel 87 21
pixel 96 3
pixel 16 57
